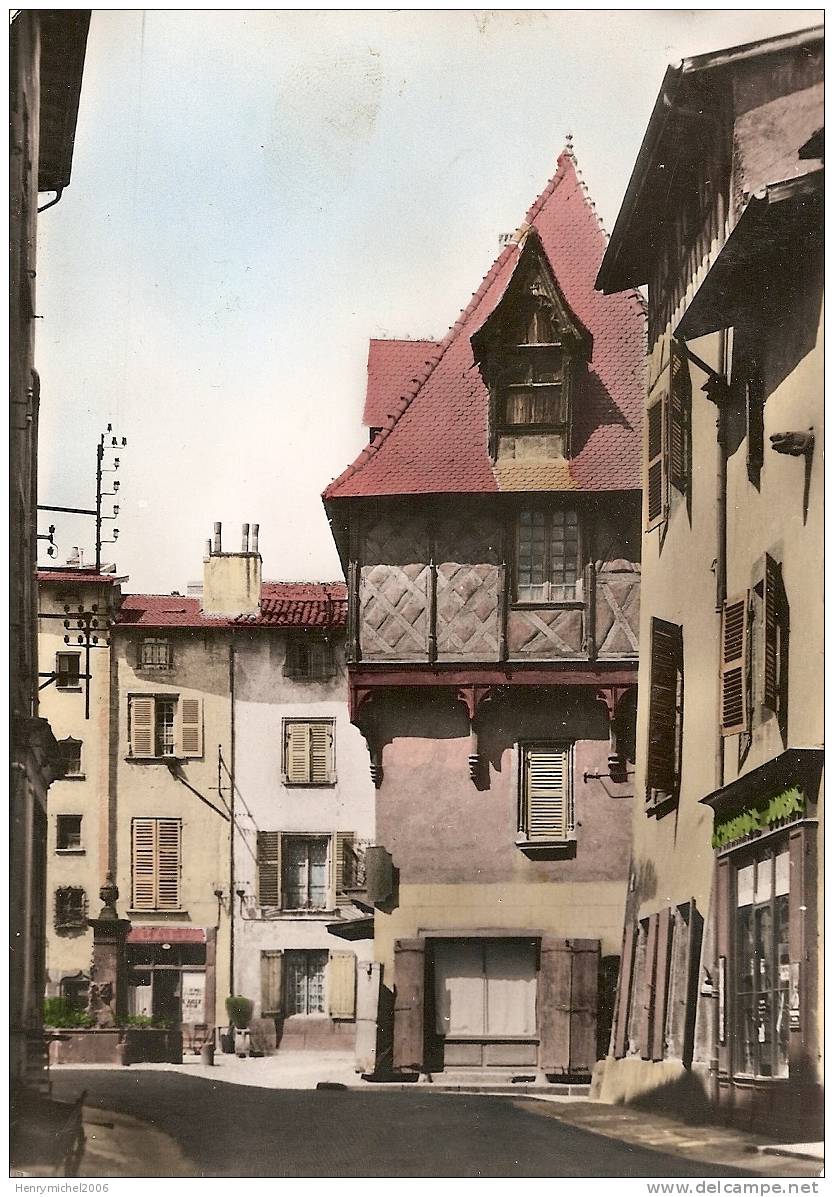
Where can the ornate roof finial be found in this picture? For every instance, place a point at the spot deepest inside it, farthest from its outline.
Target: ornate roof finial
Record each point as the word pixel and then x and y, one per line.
pixel 569 143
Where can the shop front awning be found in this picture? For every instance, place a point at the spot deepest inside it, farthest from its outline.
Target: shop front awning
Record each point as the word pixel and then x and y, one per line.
pixel 794 767
pixel 166 935
pixel 353 929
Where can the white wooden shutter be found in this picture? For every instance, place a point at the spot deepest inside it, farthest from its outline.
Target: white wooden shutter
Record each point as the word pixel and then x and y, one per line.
pixel 168 833
pixel 547 793
pixel 297 753
pixel 269 868
pixel 144 864
pixel 190 738
pixel 142 726
pixel 271 1003
pixel 341 985
pixel 321 752
pixel 734 666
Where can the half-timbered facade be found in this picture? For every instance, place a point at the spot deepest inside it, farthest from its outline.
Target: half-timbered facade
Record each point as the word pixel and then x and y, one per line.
pixel 490 536
pixel 719 990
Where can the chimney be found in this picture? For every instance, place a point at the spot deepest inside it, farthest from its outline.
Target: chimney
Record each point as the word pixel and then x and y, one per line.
pixel 253 545
pixel 232 581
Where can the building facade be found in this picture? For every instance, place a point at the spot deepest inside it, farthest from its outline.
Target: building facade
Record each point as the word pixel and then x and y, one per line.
pixel 490 537
pixel 76 609
pixel 719 991
pixel 46 59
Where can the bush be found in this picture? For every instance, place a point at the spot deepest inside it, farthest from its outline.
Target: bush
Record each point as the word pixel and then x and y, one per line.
pixel 240 1011
pixel 145 1020
pixel 60 1012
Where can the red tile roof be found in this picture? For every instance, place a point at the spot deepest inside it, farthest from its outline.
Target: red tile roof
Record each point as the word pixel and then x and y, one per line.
pixel 283 605
pixel 437 439
pixel 392 366
pixel 78 577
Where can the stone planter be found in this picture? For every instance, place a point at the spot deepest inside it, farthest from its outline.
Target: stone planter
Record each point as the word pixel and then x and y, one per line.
pixel 85 1045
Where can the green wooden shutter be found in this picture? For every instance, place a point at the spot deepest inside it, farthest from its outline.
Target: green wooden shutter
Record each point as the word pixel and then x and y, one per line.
pixel 144 864
pixel 547 793
pixel 664 707
pixel 271 993
pixel 770 664
pixel 341 985
pixel 680 407
pixel 297 753
pixel 190 712
pixel 321 752
pixel 141 726
pixel 734 657
pixel 169 835
pixel 269 868
pixel 345 870
pixel 656 462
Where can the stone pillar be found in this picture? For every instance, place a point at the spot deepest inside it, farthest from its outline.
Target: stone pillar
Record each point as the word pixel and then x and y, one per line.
pixel 108 972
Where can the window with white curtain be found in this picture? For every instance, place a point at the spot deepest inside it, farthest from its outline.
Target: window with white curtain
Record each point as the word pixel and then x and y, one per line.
pixel 485 988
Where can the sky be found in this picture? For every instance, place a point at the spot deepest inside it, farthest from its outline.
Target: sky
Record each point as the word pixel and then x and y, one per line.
pixel 256 194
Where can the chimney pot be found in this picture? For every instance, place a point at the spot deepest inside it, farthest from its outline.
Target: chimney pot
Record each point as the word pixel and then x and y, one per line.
pixel 217 540
pixel 253 542
pixel 244 544
pixel 207 553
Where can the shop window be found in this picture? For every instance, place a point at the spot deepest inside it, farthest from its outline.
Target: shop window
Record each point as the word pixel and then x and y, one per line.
pixel 304 990
pixel 762 964
pixel 485 988
pixel 546 793
pixel 309 752
pixel 68 833
pixel 165 726
pixel 68 671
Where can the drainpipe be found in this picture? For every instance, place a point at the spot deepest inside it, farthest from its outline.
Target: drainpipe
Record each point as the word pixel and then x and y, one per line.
pixel 721 521
pixel 232 814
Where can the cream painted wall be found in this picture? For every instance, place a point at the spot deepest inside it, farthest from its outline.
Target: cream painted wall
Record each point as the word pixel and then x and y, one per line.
pixel 201 669
pixel 263 699
pixel 69 952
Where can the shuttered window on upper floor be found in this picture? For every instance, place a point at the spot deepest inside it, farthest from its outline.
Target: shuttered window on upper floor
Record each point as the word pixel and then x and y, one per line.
pixel 735 678
pixel 665 711
pixel 546 799
pixel 165 725
pixel 156 863
pixel 308 757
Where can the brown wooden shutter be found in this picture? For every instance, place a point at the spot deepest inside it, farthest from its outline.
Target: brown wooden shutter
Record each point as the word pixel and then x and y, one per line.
pixel 554 1005
pixel 661 985
pixel 321 753
pixel 341 985
pixel 656 462
pixel 169 835
pixel 547 793
pixel 770 664
pixel 190 738
pixel 680 406
pixel 624 991
pixel 734 654
pixel 297 753
pixel 409 999
pixel 141 726
pixel 269 868
pixel 664 707
pixel 648 990
pixel 144 864
pixel 345 871
pixel 271 992
pixel 568 999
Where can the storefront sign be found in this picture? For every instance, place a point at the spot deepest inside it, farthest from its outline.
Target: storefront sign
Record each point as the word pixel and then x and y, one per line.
pixel 760 817
pixel 193 996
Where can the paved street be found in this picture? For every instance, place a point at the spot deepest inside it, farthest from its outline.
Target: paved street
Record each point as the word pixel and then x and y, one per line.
pixel 242 1131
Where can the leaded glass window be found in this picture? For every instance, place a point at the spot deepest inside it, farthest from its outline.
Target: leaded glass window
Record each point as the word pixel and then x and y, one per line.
pixel 547 563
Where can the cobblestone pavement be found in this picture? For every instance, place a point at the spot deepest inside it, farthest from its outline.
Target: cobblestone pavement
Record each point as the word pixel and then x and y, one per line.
pixel 215 1130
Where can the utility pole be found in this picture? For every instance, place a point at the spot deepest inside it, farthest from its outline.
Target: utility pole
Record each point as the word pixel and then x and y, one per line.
pixel 101 449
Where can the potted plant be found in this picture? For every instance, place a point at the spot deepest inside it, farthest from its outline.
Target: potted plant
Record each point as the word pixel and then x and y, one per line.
pixel 240 1010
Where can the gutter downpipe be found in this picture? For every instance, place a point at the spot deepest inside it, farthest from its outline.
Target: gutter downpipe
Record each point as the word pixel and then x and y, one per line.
pixel 232 813
pixel 721 518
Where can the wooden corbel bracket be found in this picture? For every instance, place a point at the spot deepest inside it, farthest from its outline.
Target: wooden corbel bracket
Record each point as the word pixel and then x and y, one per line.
pixel 473 697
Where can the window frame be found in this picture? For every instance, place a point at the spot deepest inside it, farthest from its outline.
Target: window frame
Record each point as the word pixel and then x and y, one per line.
pixel 548 511
pixel 77 774
pixel 309 782
pixel 69 849
pixel 658 794
pixel 72 685
pixel 308 838
pixel 289 957
pixel 525 837
pixel 181 728
pixel 299 655
pixel 74 917
pixel 157 666
pixel 156 849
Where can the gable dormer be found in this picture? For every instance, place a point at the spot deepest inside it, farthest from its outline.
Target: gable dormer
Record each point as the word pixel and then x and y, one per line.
pixel 530 351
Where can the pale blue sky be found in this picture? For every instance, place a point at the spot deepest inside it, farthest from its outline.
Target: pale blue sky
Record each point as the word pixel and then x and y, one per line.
pixel 255 194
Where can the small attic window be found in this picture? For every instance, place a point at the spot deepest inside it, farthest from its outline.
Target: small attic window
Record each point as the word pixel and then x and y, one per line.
pixel 531 392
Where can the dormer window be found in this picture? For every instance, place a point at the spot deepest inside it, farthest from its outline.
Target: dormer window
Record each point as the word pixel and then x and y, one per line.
pixel 528 351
